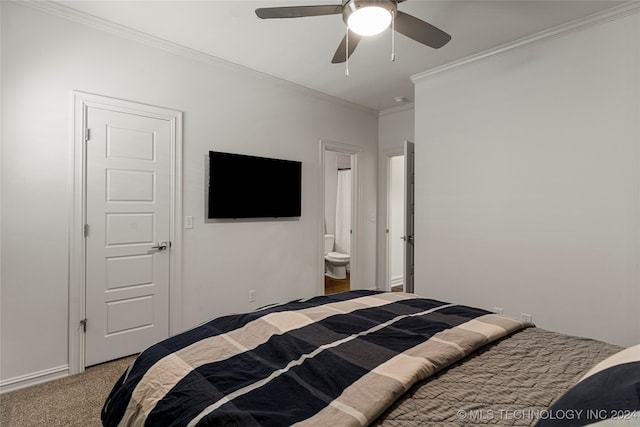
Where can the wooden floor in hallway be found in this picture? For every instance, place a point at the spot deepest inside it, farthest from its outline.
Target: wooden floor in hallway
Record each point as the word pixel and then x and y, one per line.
pixel 333 286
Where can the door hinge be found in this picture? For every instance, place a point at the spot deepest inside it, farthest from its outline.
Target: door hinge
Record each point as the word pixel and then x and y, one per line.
pixel 87 134
pixel 85 230
pixel 83 323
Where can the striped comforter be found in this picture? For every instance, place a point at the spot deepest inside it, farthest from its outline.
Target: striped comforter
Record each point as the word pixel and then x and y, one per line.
pixel 337 360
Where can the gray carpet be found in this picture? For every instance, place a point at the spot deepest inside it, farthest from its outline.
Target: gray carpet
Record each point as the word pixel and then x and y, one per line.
pixel 75 400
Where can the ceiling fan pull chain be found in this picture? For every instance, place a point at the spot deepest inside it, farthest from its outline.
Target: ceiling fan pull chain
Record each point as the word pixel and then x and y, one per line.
pixel 346 69
pixel 393 36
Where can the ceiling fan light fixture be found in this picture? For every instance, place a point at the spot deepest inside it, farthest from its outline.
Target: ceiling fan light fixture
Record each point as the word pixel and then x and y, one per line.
pixel 369 20
pixel 364 18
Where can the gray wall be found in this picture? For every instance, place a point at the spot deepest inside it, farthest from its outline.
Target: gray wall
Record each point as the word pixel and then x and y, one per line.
pixel 528 185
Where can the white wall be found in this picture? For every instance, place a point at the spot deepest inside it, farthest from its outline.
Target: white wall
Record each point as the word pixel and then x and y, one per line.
pixel 528 182
pixel 227 108
pixel 395 126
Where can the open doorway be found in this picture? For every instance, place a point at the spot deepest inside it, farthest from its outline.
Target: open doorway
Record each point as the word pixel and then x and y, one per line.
pixel 339 217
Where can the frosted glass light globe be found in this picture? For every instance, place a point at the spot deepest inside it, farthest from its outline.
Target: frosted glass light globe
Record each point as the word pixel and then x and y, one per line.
pixel 369 20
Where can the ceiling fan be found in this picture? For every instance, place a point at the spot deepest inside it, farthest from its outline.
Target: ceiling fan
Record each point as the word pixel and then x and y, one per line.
pixel 364 18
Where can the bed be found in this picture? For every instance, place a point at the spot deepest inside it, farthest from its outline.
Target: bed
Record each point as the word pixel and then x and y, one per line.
pixel 354 359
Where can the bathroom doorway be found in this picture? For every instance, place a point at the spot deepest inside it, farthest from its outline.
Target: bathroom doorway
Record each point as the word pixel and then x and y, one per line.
pixel 339 234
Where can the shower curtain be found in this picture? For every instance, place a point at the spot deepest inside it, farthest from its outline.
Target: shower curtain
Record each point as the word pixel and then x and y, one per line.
pixel 343 212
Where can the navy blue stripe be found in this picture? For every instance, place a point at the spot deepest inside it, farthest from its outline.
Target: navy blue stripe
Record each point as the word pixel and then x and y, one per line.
pixel 295 395
pixel 611 393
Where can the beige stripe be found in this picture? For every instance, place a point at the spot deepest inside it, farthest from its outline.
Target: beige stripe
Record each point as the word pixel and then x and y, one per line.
pixel 234 343
pixel 385 298
pixel 451 343
pixel 351 411
pixel 405 369
pixel 506 322
pixel 441 352
pixel 250 336
pixel 486 329
pixel 286 321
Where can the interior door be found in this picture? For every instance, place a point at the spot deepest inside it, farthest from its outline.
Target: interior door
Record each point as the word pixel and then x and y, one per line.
pixel 409 209
pixel 395 221
pixel 128 220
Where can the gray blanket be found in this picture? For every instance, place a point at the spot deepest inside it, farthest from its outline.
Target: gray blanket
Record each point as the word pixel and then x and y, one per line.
pixel 506 383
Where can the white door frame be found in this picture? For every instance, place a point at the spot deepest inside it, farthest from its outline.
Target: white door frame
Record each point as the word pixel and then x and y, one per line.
pixel 81 103
pixel 387 175
pixel 356 194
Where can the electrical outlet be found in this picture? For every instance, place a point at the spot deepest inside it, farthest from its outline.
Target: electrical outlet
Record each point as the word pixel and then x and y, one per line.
pixel 527 317
pixel 252 296
pixel 498 310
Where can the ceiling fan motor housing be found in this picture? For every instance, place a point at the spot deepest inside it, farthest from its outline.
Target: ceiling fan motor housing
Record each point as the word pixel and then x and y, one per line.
pixel 350 6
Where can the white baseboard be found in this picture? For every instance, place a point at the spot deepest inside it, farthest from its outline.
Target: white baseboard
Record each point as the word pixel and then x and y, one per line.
pixel 34 378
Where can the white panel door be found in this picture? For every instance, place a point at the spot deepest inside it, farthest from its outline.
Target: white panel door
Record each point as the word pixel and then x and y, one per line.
pixel 409 209
pixel 128 227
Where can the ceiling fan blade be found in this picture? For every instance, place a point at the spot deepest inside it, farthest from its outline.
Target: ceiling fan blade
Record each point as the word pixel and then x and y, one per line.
pixel 340 55
pixel 420 31
pixel 298 11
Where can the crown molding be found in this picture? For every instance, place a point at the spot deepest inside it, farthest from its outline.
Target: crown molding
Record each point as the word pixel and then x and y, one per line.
pixel 399 108
pixel 119 30
pixel 626 9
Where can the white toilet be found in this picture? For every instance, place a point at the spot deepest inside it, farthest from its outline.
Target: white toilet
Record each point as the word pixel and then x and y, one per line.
pixel 335 263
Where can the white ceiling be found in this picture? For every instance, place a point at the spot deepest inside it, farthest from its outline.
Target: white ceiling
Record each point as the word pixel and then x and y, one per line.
pixel 300 50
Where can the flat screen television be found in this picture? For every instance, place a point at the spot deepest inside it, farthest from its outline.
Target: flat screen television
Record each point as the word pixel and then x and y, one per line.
pixel 242 186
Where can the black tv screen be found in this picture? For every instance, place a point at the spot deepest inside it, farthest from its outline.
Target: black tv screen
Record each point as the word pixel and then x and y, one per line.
pixel 242 186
